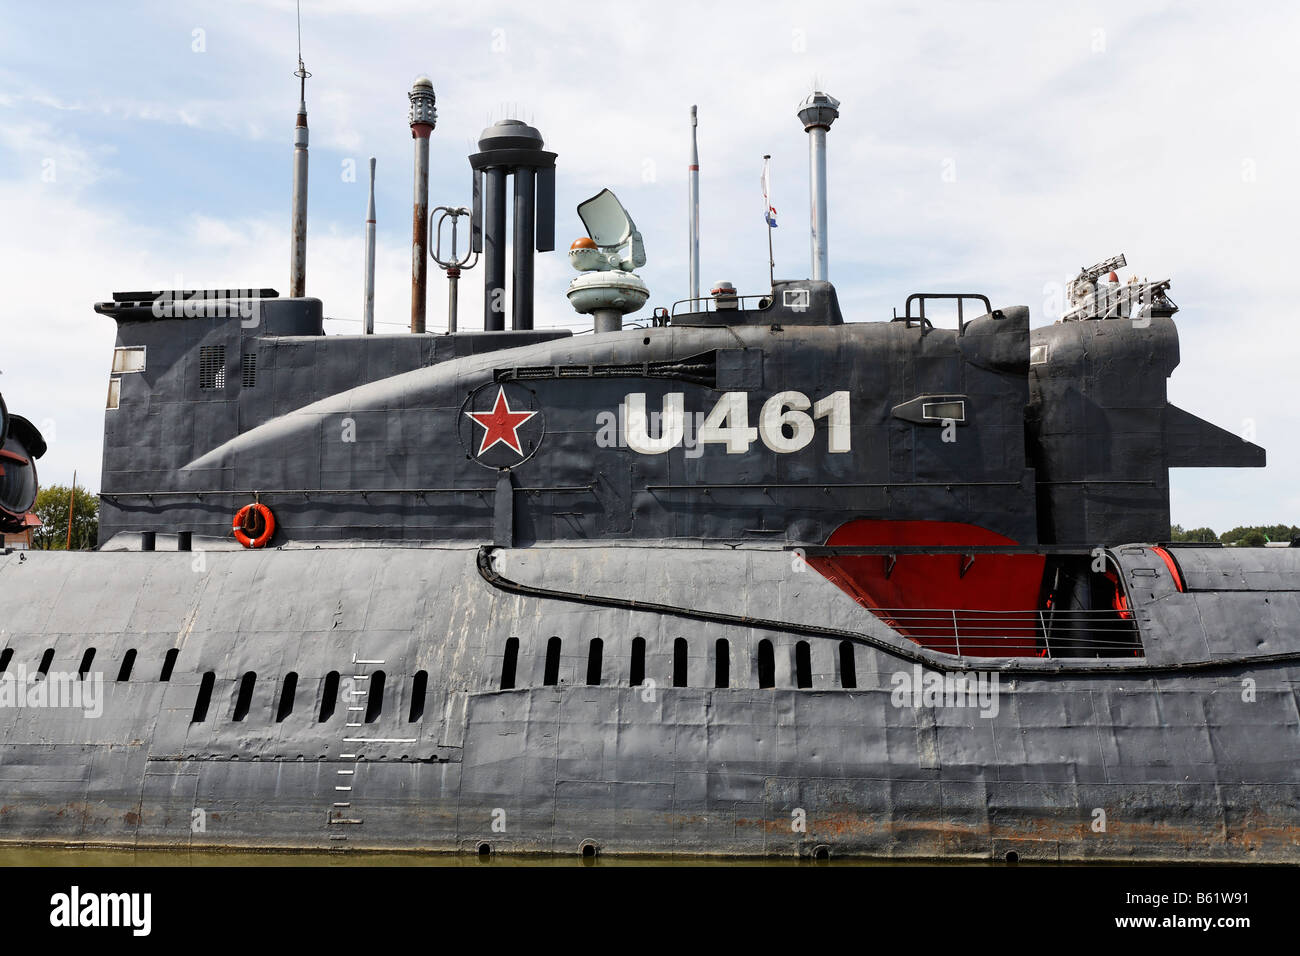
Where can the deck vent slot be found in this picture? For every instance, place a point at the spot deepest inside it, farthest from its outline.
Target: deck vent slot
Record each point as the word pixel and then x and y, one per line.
pixel 287 693
pixel 329 695
pixel 722 663
pixel 245 698
pixel 509 661
pixel 5 658
pixel 766 664
pixel 46 660
pixel 802 665
pixel 419 687
pixel 86 660
pixel 848 667
pixel 169 662
pixel 375 697
pixel 204 698
pixel 248 369
pixel 128 664
pixel 637 674
pixel 594 654
pixel 212 366
pixel 551 676
pixel 679 662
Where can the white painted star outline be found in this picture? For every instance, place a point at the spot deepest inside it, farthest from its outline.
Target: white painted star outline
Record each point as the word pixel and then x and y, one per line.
pixel 501 425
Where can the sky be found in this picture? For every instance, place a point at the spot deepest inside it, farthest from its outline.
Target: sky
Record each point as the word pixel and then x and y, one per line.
pixel 991 147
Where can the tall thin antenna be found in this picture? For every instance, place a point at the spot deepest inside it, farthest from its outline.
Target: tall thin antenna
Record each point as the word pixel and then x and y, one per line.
pixel 769 219
pixel 298 219
pixel 693 173
pixel 368 302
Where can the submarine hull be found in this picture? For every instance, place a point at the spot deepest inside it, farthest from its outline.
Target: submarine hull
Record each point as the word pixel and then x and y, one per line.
pixel 514 741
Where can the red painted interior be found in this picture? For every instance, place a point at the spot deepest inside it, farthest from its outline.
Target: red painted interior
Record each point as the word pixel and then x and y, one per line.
pixel 993 606
pixel 1173 568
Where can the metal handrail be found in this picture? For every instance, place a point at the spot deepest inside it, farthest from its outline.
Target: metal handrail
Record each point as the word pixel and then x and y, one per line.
pixel 991 630
pixel 765 299
pixel 923 297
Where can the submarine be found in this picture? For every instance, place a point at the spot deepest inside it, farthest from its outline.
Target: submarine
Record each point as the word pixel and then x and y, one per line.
pixel 744 577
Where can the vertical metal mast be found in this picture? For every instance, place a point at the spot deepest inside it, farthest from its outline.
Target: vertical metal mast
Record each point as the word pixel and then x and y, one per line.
pixel 817 113
pixel 298 219
pixel 368 306
pixel 694 212
pixel 423 118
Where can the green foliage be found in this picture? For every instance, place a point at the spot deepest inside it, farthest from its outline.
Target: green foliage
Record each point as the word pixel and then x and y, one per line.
pixel 1202 535
pixel 1254 537
pixel 52 509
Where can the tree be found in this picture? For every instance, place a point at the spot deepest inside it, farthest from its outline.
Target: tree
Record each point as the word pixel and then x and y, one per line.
pixel 1203 535
pixel 1256 536
pixel 52 509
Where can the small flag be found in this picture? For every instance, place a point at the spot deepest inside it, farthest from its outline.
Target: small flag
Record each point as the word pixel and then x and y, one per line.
pixel 769 211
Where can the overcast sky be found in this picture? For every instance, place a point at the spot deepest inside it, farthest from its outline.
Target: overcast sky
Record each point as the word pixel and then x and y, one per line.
pixel 981 146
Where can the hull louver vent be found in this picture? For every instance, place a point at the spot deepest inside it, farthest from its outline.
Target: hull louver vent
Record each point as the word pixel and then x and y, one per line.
pixel 212 366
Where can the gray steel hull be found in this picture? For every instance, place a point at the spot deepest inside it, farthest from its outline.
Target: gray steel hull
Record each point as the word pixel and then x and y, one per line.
pixel 1123 765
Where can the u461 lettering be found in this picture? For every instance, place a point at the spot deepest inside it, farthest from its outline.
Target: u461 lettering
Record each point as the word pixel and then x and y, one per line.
pixel 787 423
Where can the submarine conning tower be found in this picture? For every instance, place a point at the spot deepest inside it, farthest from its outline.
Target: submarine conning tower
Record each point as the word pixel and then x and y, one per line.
pixel 511 149
pixel 730 417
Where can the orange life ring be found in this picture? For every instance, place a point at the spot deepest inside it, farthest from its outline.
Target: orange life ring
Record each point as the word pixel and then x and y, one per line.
pixel 253 525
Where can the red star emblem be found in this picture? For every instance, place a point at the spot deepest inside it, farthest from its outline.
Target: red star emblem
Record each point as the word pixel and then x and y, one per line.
pixel 501 424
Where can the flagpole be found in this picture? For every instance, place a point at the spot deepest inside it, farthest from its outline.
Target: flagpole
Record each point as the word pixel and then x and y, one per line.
pixel 72 502
pixel 771 261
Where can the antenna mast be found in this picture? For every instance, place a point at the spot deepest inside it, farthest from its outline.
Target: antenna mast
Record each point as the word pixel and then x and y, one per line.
pixel 298 221
pixel 694 212
pixel 368 301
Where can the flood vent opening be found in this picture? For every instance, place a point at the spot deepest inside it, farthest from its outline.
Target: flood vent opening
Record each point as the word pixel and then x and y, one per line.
pixel 128 665
pixel 419 687
pixel 722 663
pixel 5 657
pixel 802 665
pixel 204 698
pixel 766 664
pixel 329 695
pixel 509 662
pixel 679 662
pixel 287 692
pixel 46 660
pixel 848 666
pixel 637 674
pixel 551 676
pixel 594 654
pixel 86 660
pixel 244 699
pixel 375 697
pixel 169 662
